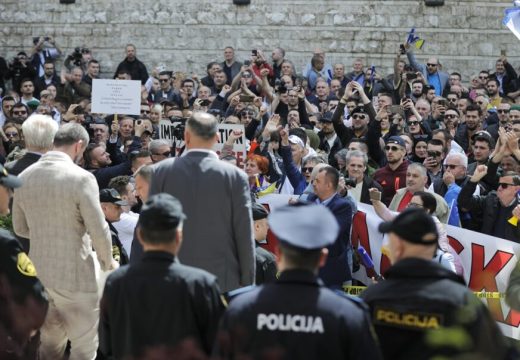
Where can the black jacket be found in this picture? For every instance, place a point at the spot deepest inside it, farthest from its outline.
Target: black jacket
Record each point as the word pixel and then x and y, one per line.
pixel 420 297
pixel 136 69
pixel 265 266
pixel 325 324
pixel 157 302
pixel 488 206
pixel 17 166
pixel 368 183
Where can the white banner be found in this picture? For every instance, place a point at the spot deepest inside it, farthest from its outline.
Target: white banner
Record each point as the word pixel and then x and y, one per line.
pixel 487 260
pixel 239 147
pixel 111 96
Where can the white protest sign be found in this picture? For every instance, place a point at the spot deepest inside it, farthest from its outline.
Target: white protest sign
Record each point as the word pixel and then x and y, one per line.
pixel 239 147
pixel 168 131
pixel 111 96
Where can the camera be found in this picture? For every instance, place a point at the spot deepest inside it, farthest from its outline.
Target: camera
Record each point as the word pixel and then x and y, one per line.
pixel 76 57
pixel 431 154
pixel 411 76
pixel 247 62
pixel 205 103
pixel 350 182
pixel 178 131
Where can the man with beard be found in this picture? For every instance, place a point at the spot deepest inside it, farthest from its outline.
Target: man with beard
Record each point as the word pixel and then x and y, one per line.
pixel 392 177
pixel 329 141
pixel 492 90
pixel 98 160
pixel 473 124
pixel 436 78
pixel 417 90
pixel 131 64
pixel 503 110
pixel 49 77
pixel 506 75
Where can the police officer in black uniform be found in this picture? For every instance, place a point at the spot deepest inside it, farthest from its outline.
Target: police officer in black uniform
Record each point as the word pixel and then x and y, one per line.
pixel 296 317
pixel 423 310
pixel 23 300
pixel 111 203
pixel 265 260
pixel 158 303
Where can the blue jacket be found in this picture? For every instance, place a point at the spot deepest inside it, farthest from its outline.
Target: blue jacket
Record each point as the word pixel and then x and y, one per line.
pixel 336 270
pixel 291 171
pixel 443 76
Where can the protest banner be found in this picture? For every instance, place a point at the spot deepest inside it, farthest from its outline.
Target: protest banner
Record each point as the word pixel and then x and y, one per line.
pixel 487 260
pixel 239 147
pixel 174 133
pixel 111 96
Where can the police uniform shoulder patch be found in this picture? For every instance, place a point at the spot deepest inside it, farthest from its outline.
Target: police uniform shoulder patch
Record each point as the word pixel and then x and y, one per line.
pixel 25 265
pixel 403 319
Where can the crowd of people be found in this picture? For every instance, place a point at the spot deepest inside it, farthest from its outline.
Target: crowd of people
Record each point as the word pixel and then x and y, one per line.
pixel 422 146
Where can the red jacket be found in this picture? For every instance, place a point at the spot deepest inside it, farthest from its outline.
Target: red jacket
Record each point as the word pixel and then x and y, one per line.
pixel 391 180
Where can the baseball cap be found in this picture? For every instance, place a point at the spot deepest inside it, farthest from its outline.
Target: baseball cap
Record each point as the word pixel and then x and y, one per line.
pixel 396 140
pixel 161 212
pixel 359 110
pixel 8 180
pixel 327 117
pixel 304 226
pixel 293 139
pixel 412 225
pixel 483 135
pixel 111 196
pixel 259 211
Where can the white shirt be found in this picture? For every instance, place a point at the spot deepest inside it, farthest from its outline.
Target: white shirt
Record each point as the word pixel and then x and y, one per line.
pixel 355 192
pixel 125 228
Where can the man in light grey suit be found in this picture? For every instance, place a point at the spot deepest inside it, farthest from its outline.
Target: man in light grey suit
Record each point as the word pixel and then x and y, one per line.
pixel 58 209
pixel 218 235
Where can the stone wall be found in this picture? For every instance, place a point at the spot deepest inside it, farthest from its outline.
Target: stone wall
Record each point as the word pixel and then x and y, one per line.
pixel 466 35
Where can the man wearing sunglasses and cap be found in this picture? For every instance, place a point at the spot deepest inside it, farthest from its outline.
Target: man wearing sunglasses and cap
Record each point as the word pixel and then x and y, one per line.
pixel 422 307
pixel 296 316
pixel 497 207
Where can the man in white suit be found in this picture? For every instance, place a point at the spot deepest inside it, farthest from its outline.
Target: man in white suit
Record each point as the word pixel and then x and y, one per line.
pixel 59 211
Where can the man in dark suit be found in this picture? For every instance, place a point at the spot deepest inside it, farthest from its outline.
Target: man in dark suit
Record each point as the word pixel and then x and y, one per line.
pixel 38 131
pixel 337 268
pixel 215 195
pixel 158 303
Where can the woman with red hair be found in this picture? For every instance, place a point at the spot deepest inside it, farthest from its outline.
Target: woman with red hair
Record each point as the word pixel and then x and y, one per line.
pixel 257 167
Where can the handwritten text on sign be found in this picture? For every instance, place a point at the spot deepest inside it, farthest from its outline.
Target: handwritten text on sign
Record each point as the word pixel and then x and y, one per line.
pixel 116 96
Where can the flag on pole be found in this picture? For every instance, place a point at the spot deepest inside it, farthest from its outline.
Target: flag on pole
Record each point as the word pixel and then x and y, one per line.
pixel 512 19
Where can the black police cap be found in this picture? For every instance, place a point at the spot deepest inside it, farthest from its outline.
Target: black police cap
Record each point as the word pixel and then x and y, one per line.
pixel 111 196
pixel 259 211
pixel 412 225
